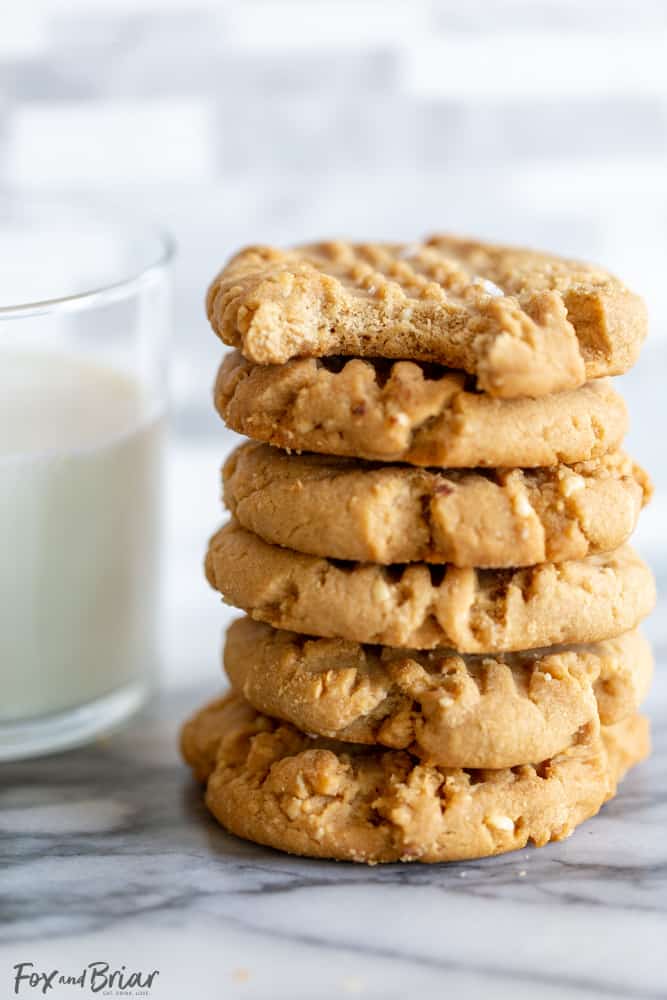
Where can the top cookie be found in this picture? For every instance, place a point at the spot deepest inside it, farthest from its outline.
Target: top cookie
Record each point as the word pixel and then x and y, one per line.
pixel 524 323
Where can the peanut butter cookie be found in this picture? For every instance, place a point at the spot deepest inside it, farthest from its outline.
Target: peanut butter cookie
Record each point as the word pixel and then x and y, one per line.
pixel 422 606
pixel 407 412
pixel 523 323
pixel 347 509
pixel 453 710
pixel 270 783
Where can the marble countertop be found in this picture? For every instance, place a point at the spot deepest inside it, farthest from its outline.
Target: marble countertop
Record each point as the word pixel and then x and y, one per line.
pixel 107 855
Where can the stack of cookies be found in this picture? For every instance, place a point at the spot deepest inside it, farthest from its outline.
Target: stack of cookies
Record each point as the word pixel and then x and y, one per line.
pixel 440 657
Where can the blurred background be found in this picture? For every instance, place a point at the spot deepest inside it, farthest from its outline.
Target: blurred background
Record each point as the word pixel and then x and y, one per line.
pixel 533 121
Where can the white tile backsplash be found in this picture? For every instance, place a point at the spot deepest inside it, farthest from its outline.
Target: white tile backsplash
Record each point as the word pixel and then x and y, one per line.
pixel 104 144
pixel 534 64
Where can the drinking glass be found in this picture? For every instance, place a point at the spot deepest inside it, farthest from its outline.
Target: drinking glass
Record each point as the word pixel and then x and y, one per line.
pixel 84 325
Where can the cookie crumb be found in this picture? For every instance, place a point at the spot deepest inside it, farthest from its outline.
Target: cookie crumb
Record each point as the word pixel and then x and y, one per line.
pixel 490 288
pixel 499 822
pixel 523 506
pixel 572 484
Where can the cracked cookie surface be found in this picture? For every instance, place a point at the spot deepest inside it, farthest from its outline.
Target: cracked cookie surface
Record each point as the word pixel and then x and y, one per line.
pixel 347 509
pixel 270 783
pixel 421 606
pixel 408 412
pixel 452 710
pixel 523 323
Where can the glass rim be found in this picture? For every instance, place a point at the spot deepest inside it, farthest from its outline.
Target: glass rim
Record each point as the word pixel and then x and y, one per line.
pixel 108 291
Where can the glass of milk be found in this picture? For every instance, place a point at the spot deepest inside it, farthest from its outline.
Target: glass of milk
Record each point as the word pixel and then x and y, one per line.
pixel 84 323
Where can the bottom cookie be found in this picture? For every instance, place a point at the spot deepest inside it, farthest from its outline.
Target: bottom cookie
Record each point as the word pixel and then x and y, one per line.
pixel 270 783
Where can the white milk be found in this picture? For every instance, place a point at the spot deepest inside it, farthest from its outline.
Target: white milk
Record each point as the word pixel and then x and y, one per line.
pixel 79 500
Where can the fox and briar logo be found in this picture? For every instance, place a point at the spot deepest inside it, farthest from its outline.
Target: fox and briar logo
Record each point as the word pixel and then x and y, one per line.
pixel 98 977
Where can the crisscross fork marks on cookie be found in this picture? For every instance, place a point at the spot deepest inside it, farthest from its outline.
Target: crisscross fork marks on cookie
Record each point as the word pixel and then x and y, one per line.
pixel 522 322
